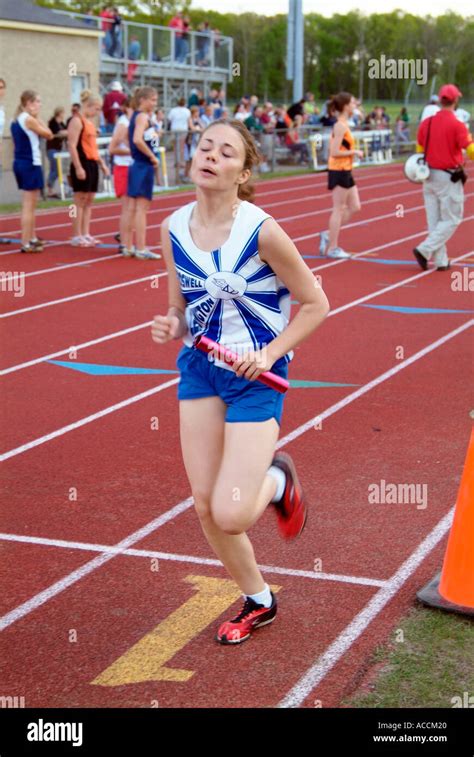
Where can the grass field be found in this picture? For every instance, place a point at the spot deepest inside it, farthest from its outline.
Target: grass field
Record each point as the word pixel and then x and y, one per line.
pixel 428 662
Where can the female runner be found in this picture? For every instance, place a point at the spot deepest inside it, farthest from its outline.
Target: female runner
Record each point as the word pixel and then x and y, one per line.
pixel 345 197
pixel 26 130
pixel 231 268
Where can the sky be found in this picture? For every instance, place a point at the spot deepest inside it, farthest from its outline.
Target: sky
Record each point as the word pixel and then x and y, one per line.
pixel 272 7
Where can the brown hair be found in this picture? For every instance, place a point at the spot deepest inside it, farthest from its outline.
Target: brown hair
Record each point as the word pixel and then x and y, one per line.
pixel 252 158
pixel 338 102
pixel 26 96
pixel 139 94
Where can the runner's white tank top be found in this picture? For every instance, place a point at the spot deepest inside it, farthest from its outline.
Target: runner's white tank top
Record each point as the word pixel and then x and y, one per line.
pixel 231 295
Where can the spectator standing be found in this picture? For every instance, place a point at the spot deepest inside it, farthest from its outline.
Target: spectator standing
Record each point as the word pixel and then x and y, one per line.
pixel 195 127
pixel 113 102
pixel 203 43
pixel 178 118
pixel 444 197
pixel 107 25
pixel 119 149
pixel 116 46
pixel 185 40
pixel 177 23
pixel 58 129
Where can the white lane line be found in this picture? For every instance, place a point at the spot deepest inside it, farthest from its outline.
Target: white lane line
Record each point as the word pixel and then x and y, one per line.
pixel 75 348
pixel 129 541
pixel 88 419
pixel 314 183
pixel 406 282
pixel 372 384
pixel 93 292
pixel 106 549
pixel 315 674
pixel 81 295
pixel 146 324
pixel 65 242
pixel 117 256
pixel 52 591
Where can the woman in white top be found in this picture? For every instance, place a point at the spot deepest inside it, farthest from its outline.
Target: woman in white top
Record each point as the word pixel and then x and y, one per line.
pixel 119 148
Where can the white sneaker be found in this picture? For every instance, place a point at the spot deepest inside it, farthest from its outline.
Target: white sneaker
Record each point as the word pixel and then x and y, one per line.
pixel 323 242
pixel 126 253
pixel 92 240
pixel 338 253
pixel 78 242
pixel 147 255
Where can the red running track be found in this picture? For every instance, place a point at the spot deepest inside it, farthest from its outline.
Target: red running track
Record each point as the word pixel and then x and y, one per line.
pixel 106 628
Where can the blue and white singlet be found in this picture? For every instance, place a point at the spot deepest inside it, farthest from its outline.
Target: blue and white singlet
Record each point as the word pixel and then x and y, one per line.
pixel 231 295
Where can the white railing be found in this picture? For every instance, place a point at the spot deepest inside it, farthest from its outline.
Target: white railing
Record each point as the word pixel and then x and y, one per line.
pixel 137 44
pixel 63 160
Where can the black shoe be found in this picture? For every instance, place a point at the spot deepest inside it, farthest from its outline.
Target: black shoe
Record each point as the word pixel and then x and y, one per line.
pixel 117 237
pixel 31 248
pixel 444 267
pixel 422 261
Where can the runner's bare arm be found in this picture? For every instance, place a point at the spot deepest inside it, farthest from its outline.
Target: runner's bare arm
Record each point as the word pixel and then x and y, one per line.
pixel 277 249
pixel 173 325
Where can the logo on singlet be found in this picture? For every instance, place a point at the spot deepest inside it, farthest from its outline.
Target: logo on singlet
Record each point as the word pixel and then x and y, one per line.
pixel 226 285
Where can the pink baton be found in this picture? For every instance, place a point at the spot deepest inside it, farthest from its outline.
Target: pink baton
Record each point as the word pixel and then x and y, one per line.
pixel 205 344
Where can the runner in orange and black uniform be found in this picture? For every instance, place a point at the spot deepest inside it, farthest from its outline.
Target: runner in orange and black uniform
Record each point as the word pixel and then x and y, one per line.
pixel 340 180
pixel 85 162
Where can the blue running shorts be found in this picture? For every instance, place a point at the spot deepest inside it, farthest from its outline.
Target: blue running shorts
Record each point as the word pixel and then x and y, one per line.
pixel 247 401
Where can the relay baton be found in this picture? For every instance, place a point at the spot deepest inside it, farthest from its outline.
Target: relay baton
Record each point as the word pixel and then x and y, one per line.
pixel 205 344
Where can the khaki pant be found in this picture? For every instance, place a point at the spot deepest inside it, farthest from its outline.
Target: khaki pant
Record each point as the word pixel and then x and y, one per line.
pixel 444 205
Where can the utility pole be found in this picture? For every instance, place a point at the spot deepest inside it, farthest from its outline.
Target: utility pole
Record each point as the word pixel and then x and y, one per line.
pixel 295 47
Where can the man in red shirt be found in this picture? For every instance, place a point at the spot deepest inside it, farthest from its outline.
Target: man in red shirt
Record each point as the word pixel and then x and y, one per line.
pixel 442 138
pixel 112 104
pixel 177 22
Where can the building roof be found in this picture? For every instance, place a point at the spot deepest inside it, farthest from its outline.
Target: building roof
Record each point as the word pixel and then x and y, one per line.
pixel 25 11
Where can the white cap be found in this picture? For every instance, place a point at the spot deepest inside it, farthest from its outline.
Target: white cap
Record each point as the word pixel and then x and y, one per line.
pixel 116 86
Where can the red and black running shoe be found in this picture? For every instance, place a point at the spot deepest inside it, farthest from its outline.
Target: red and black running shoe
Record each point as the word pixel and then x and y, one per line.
pixel 291 508
pixel 251 616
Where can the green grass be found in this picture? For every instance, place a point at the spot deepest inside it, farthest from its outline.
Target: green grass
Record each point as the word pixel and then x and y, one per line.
pixel 15 207
pixel 433 663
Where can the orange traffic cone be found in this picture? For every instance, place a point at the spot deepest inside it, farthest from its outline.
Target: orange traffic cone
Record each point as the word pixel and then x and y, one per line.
pixel 453 588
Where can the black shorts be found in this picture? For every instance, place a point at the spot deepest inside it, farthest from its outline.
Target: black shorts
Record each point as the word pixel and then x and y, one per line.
pixel 340 179
pixel 91 182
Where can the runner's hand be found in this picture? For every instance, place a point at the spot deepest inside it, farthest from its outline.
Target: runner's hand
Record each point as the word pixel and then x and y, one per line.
pixel 165 328
pixel 252 364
